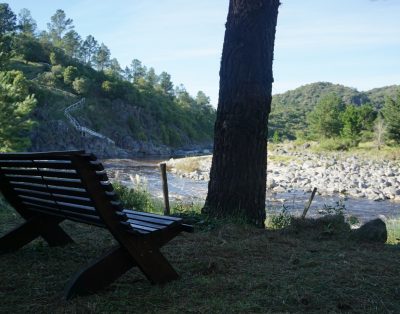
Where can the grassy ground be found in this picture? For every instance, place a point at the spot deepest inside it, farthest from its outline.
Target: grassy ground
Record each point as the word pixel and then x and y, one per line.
pixel 224 268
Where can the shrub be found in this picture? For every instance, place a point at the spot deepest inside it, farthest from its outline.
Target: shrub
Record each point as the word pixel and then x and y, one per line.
pixel 70 74
pixel 81 85
pixel 138 199
pixel 332 144
pixel 58 71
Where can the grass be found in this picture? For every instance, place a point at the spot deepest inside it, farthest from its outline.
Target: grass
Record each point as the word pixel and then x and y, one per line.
pixel 189 164
pixel 393 227
pixel 224 267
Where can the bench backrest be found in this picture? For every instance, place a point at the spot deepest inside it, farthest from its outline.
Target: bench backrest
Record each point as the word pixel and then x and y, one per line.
pixel 71 184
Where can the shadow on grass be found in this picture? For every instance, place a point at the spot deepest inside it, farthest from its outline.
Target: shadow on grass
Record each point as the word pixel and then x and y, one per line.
pixel 224 267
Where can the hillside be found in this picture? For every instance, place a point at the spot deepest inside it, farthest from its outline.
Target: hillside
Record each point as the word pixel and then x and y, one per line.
pixel 289 109
pixel 125 111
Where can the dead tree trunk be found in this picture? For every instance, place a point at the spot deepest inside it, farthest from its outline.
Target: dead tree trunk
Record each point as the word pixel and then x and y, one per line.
pixel 237 184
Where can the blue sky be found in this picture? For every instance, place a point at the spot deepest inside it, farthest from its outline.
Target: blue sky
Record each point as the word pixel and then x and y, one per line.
pixel 351 42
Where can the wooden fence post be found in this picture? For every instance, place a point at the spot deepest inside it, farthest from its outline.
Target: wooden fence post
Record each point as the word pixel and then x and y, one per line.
pixel 309 203
pixel 163 168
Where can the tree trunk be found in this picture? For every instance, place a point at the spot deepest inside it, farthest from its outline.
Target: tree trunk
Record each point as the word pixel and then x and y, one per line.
pixel 237 184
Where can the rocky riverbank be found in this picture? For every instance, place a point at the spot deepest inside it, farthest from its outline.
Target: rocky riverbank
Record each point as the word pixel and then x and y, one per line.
pixel 303 169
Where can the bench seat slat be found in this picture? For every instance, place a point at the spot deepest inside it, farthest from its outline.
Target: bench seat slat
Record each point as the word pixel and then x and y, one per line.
pixel 146 224
pixel 129 211
pixel 153 220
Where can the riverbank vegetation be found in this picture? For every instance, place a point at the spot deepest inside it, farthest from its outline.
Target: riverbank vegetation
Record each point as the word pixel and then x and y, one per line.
pixel 227 266
pixel 324 110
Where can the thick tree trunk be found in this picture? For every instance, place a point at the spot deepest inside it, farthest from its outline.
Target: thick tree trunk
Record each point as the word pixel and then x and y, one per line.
pixel 237 184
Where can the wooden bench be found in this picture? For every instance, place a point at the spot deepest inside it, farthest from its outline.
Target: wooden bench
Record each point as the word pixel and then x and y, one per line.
pixel 47 188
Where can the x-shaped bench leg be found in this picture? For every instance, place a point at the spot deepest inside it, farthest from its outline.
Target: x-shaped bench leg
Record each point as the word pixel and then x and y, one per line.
pixel 30 230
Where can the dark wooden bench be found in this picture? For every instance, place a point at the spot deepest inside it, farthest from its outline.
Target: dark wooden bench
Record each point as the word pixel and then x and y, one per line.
pixel 47 188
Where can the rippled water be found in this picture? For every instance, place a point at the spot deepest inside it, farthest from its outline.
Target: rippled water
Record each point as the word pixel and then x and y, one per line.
pixel 128 171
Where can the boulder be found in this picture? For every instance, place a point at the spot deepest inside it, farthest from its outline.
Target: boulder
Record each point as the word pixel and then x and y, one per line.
pixel 373 231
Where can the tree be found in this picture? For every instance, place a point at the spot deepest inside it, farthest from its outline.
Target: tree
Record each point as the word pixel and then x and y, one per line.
pixel 391 114
pixel 7 25
pixel 8 20
pixel 16 105
pixel 325 120
pixel 102 57
pixel 26 23
pixel 379 131
pixel 151 77
pixel 166 84
pixel 202 99
pixel 114 69
pixel 88 49
pixel 137 70
pixel 352 124
pixel 71 43
pixel 237 184
pixel 58 26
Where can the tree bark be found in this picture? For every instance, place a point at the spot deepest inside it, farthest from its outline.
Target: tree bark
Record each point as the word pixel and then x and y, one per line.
pixel 237 184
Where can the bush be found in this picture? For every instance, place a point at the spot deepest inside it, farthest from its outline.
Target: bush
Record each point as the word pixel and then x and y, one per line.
pixel 47 78
pixel 58 71
pixel 70 74
pixel 138 199
pixel 333 144
pixel 81 85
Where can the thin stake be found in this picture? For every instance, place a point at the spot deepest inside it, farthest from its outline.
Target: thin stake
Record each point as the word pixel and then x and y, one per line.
pixel 309 203
pixel 163 168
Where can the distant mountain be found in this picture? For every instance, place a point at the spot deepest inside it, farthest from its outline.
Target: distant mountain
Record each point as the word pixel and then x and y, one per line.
pixel 289 109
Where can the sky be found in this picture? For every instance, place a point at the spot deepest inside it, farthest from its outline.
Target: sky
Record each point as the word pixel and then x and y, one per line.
pixel 351 42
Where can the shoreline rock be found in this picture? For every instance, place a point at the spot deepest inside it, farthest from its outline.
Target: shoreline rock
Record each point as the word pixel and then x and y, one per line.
pixel 330 173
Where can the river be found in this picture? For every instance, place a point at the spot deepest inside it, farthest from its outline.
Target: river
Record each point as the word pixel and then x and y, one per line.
pixel 147 172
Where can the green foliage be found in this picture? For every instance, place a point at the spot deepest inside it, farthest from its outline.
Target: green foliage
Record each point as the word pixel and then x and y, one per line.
pixel 325 120
pixel 5 50
pixel 58 71
pixel 391 114
pixel 30 49
pixel 159 115
pixel 58 26
pixel 26 24
pixel 279 221
pixel 81 85
pixel 88 49
pixel 352 124
pixel 335 144
pixel 138 199
pixel 8 20
pixel 289 110
pixel 16 105
pixel 70 74
pixel 275 137
pixel 102 57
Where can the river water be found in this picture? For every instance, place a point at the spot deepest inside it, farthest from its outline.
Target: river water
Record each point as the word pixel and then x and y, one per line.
pixel 146 172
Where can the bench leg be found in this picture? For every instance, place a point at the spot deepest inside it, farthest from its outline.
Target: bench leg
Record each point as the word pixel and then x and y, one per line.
pixel 99 273
pixel 54 235
pixel 30 230
pixel 19 236
pixel 152 262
